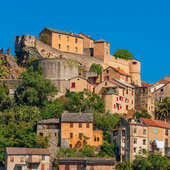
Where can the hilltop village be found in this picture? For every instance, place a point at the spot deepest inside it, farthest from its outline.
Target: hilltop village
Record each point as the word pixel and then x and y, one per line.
pixel 88 109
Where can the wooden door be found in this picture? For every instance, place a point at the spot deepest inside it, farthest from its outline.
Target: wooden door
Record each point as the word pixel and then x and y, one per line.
pixel 30 167
pixel 42 167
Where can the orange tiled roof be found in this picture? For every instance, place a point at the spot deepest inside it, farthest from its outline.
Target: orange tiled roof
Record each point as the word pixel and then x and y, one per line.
pixel 156 123
pixel 121 72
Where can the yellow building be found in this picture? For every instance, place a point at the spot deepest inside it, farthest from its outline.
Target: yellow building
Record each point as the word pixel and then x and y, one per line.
pixel 75 127
pixel 78 84
pixel 118 96
pixel 63 41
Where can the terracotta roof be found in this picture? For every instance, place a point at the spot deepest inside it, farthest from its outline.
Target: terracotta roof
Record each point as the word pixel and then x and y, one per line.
pixel 86 36
pixel 123 83
pixel 100 41
pixel 82 78
pixel 121 72
pixel 27 151
pixel 118 84
pixel 63 32
pixel 77 117
pixel 49 121
pixel 158 123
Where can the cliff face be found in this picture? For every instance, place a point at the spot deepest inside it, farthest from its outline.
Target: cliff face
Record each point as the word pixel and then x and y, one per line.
pixel 28 47
pixel 11 67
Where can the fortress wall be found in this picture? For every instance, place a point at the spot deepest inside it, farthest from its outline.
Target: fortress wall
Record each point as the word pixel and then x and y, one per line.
pixel 110 60
pixel 48 52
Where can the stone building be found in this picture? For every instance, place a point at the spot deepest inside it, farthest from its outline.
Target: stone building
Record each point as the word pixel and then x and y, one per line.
pixel 63 41
pixel 113 73
pixel 132 135
pixel 78 84
pixel 92 163
pixel 27 159
pixel 27 47
pixel 129 135
pixel 76 126
pixel 50 128
pixel 118 96
pixel 158 136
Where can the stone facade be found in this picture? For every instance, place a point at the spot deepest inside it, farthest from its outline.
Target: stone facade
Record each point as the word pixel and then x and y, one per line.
pixel 128 136
pixel 118 96
pixel 50 128
pixel 27 47
pixel 27 159
pixel 78 84
pixel 63 41
pixel 77 125
pixel 131 135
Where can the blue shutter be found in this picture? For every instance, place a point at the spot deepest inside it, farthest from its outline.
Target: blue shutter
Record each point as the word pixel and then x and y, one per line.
pixel 155 130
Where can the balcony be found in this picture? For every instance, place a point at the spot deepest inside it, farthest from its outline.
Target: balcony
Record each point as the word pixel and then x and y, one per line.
pixel 167 144
pixel 34 159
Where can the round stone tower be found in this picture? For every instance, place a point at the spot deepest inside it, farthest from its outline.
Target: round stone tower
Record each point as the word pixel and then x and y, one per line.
pixel 134 70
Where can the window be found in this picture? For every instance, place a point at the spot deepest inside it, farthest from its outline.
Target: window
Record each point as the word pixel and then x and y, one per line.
pixel 76 49
pixel 132 93
pixel 59 46
pixel 55 134
pixel 123 92
pixel 135 141
pixel 134 62
pixel 73 85
pixel 144 141
pixel 166 132
pixel 144 131
pixel 71 125
pixel 59 37
pixel 107 71
pixel 105 83
pixel 95 138
pixel 80 125
pixel 98 139
pixel 71 135
pixel 67 39
pixel 43 157
pixel 161 90
pixel 67 48
pixel 134 150
pixel 76 40
pixel 155 139
pixel 11 159
pixel 134 131
pixel 106 78
pixel 155 130
pixel 123 132
pixel 80 135
pixel 126 107
pixel 126 91
pixel 87 125
pixel 47 126
pixel 41 134
pixel 21 159
pixel 18 167
pixel 132 101
pixel 70 145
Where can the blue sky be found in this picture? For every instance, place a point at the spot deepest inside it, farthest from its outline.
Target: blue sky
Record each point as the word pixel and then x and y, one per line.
pixel 142 27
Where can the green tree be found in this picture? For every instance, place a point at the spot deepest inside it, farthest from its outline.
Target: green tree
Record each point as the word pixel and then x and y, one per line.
pixel 34 89
pixel 106 122
pixel 143 114
pixel 19 135
pixel 124 54
pixel 44 38
pixel 52 109
pixel 163 110
pixel 96 68
pixel 124 165
pixel 107 150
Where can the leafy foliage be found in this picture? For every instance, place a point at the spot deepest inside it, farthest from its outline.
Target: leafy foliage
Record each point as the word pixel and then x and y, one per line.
pixel 34 89
pixel 124 54
pixel 106 122
pixel 143 114
pixel 83 101
pixel 96 68
pixel 107 150
pixel 163 110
